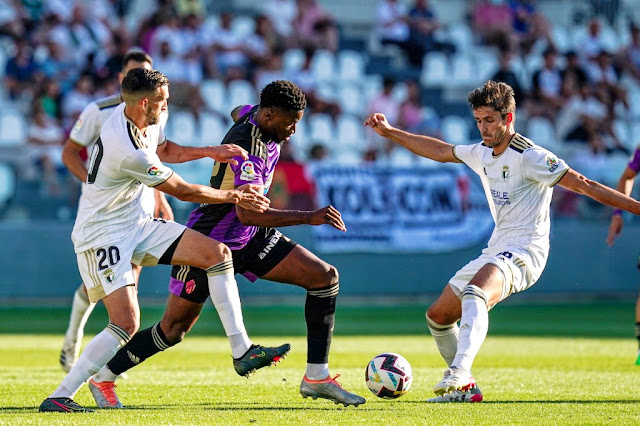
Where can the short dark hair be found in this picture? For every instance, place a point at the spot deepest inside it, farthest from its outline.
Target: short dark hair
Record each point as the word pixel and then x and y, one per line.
pixel 284 95
pixel 499 96
pixel 136 55
pixel 141 81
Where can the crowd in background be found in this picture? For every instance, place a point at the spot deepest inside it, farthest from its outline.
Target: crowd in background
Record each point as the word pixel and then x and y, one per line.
pixel 62 54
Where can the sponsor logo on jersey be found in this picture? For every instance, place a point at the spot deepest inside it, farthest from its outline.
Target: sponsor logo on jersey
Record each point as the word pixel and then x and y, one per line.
pixel 552 163
pixel 248 170
pixel 78 125
pixel 154 171
pixel 500 198
pixel 190 286
pixel 270 245
pixel 109 275
pixel 505 172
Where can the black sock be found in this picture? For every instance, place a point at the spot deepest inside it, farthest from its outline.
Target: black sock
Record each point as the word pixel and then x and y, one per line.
pixel 638 332
pixel 320 313
pixel 144 344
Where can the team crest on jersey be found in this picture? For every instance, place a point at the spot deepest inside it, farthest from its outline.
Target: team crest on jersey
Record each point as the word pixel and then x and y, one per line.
pixel 505 172
pixel 248 170
pixel 78 125
pixel 109 275
pixel 154 171
pixel 190 286
pixel 552 163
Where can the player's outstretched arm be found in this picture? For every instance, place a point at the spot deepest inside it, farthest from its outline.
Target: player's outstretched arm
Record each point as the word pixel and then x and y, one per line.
pixel 273 218
pixel 574 181
pixel 245 196
pixel 625 186
pixel 71 158
pixel 425 146
pixel 171 152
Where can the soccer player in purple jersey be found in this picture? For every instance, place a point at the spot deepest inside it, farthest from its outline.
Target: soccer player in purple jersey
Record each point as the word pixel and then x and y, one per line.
pixel 258 249
pixel 625 185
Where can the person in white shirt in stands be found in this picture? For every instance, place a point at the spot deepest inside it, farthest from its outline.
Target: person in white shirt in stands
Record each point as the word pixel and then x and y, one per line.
pixel 83 135
pixel 518 178
pixel 112 230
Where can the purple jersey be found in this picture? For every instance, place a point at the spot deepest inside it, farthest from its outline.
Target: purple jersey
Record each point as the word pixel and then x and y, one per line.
pixel 219 221
pixel 634 163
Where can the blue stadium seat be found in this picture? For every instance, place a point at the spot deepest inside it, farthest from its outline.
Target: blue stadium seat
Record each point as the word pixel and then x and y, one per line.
pixel 214 94
pixel 13 128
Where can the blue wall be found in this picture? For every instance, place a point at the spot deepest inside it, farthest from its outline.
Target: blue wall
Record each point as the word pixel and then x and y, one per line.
pixel 37 261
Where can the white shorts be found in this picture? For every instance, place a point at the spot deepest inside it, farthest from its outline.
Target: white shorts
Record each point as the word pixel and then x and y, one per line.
pixel 516 274
pixel 148 200
pixel 106 269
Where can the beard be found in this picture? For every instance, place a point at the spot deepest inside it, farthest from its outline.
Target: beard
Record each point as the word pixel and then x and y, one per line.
pixel 152 118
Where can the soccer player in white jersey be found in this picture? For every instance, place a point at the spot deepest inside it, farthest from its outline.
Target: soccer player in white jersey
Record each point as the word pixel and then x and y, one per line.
pixel 84 134
pixel 112 230
pixel 518 177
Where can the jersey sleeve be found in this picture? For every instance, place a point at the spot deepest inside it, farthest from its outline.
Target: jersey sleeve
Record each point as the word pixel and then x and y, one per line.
pixel 469 155
pixel 145 166
pixel 162 138
pixel 634 162
pixel 86 129
pixel 543 166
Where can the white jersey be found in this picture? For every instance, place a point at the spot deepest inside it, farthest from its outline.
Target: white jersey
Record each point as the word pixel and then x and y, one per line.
pixel 518 185
pixel 121 162
pixel 86 131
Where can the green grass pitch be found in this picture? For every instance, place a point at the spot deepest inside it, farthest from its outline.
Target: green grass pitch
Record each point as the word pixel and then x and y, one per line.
pixel 541 364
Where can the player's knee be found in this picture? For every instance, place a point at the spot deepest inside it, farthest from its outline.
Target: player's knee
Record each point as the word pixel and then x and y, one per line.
pixel 435 315
pixel 217 253
pixel 332 277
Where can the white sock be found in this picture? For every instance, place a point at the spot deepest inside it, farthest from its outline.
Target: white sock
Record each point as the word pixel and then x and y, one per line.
pixel 224 295
pixel 446 337
pixel 105 375
pixel 317 371
pixel 95 356
pixel 80 311
pixel 473 326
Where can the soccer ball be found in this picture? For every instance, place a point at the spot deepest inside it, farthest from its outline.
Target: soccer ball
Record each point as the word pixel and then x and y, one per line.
pixel 389 376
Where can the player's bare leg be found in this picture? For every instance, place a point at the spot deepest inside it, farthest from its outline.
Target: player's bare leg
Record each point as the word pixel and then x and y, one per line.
pixel 81 310
pixel 302 268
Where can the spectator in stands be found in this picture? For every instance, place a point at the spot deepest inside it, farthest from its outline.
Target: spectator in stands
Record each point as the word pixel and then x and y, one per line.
pixel 49 98
pixel 230 52
pixel 314 27
pixel 20 71
pixel 45 138
pixel 282 14
pixel 585 119
pixel 300 193
pixel 529 26
pixel 185 92
pixel 423 25
pixel 629 56
pixel 410 110
pixel 547 97
pixel 506 75
pixel 386 103
pixel 392 27
pixel 187 8
pixel 590 44
pixel 59 66
pixel 307 82
pixel 262 44
pixel 573 76
pixel 602 74
pixel 492 23
pixel 76 99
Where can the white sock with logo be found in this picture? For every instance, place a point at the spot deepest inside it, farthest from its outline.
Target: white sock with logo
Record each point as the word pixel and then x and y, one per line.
pixel 474 325
pixel 225 297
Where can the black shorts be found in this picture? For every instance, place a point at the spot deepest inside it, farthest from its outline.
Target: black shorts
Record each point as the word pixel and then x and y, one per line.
pixel 265 250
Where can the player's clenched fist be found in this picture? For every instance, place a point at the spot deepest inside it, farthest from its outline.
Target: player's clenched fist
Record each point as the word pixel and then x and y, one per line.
pixel 225 153
pixel 248 197
pixel 378 122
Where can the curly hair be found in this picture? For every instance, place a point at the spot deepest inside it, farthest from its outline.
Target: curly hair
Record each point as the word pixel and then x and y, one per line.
pixel 284 95
pixel 141 82
pixel 499 96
